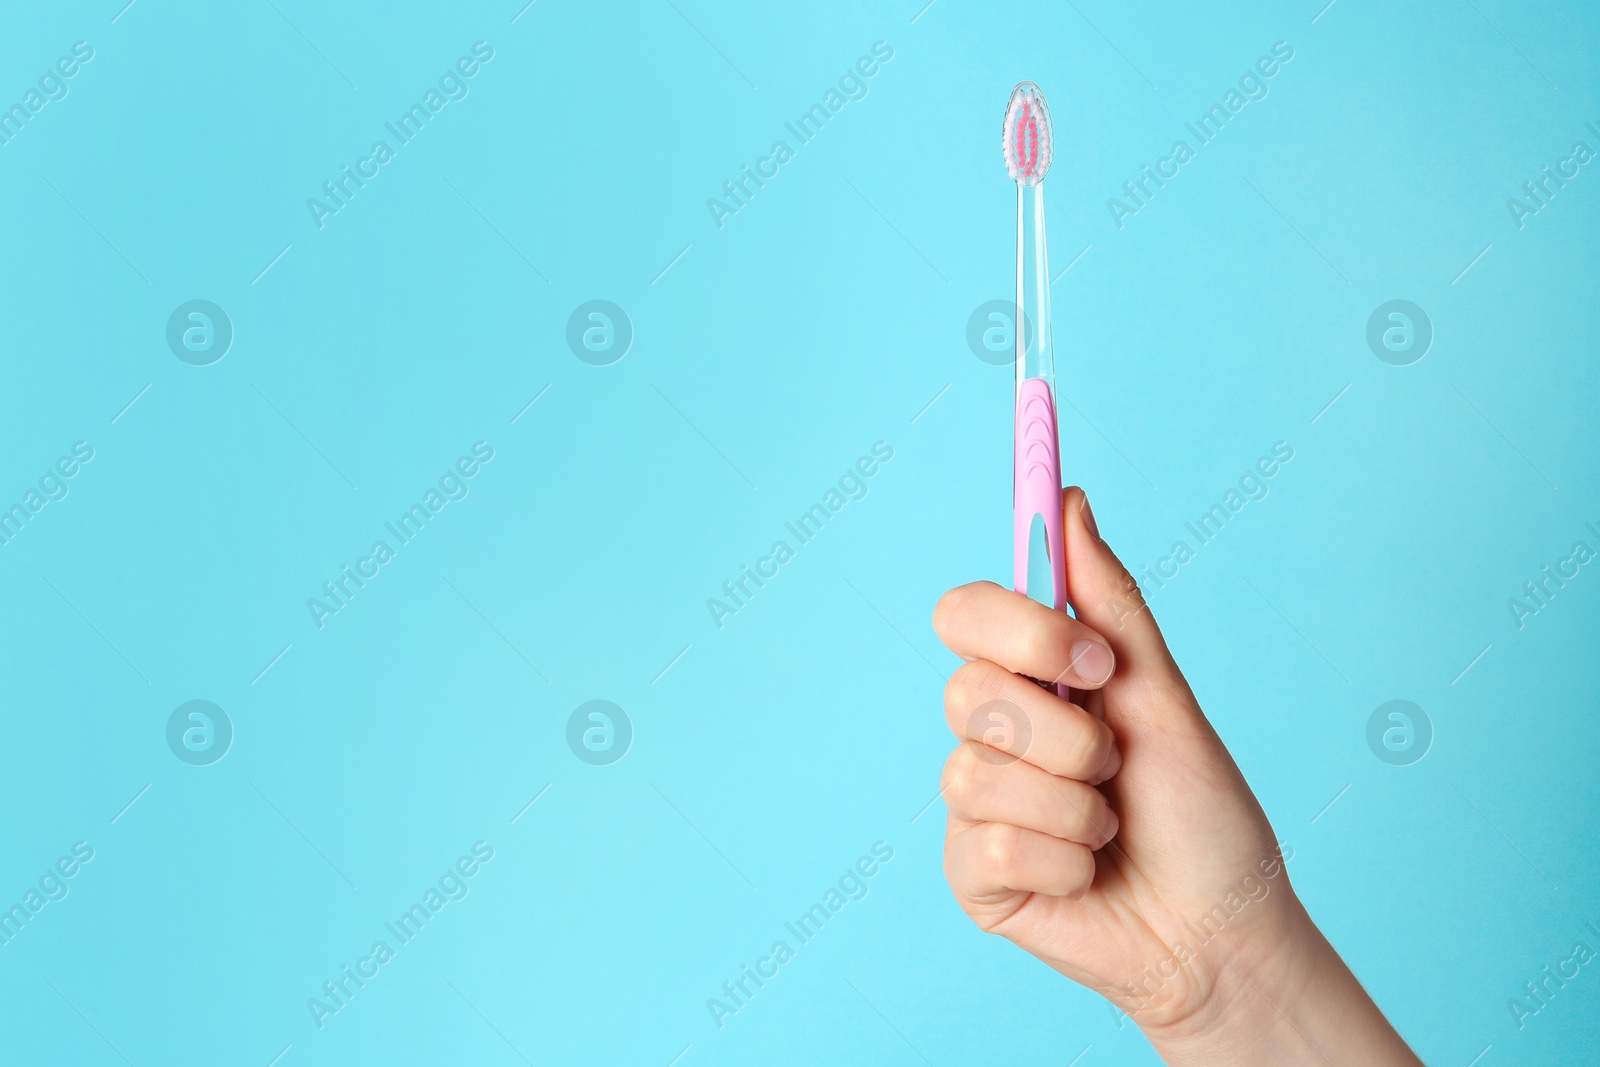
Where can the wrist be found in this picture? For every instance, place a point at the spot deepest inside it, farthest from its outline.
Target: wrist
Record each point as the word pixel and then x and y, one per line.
pixel 1245 988
pixel 1287 1000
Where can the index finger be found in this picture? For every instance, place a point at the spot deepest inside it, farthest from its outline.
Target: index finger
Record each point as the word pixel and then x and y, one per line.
pixel 984 621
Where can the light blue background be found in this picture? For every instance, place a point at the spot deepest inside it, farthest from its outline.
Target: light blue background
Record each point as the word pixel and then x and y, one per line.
pixel 822 318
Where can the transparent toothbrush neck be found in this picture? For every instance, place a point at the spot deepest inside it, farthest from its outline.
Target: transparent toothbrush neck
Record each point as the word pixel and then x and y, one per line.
pixel 1035 352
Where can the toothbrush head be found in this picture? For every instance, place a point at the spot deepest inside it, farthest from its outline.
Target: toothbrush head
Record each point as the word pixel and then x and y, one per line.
pixel 1026 140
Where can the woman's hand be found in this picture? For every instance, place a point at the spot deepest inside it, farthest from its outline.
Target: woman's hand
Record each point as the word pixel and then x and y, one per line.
pixel 1114 838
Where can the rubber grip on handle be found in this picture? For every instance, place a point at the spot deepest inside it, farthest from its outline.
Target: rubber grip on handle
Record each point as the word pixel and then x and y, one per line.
pixel 1037 488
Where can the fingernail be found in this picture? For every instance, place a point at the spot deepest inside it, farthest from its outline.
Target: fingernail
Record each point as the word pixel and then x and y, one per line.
pixel 1112 825
pixel 1113 765
pixel 1092 662
pixel 1088 519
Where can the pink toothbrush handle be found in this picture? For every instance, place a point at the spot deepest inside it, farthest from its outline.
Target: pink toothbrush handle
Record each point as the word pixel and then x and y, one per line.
pixel 1037 489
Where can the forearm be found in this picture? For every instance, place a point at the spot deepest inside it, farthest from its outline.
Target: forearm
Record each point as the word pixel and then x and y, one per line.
pixel 1298 1004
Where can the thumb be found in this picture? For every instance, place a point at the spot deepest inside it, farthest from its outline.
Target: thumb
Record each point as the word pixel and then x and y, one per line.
pixel 1107 599
pixel 1171 751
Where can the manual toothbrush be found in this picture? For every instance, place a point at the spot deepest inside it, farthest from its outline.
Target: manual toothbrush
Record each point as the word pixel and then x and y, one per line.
pixel 1040 560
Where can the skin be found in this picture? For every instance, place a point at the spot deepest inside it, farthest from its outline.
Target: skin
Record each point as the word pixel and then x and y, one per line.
pixel 1114 838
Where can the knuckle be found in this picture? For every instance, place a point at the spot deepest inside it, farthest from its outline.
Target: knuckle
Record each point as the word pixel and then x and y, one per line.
pixel 1001 843
pixel 1130 586
pixel 1076 815
pixel 950 608
pixel 1081 875
pixel 1043 642
pixel 966 684
pixel 1133 601
pixel 969 686
pixel 957 780
pixel 1091 745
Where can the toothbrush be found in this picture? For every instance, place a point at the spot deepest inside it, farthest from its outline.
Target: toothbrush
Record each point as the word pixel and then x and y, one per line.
pixel 1040 560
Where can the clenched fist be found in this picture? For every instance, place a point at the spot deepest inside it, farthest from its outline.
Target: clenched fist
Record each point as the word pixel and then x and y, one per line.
pixel 1114 838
